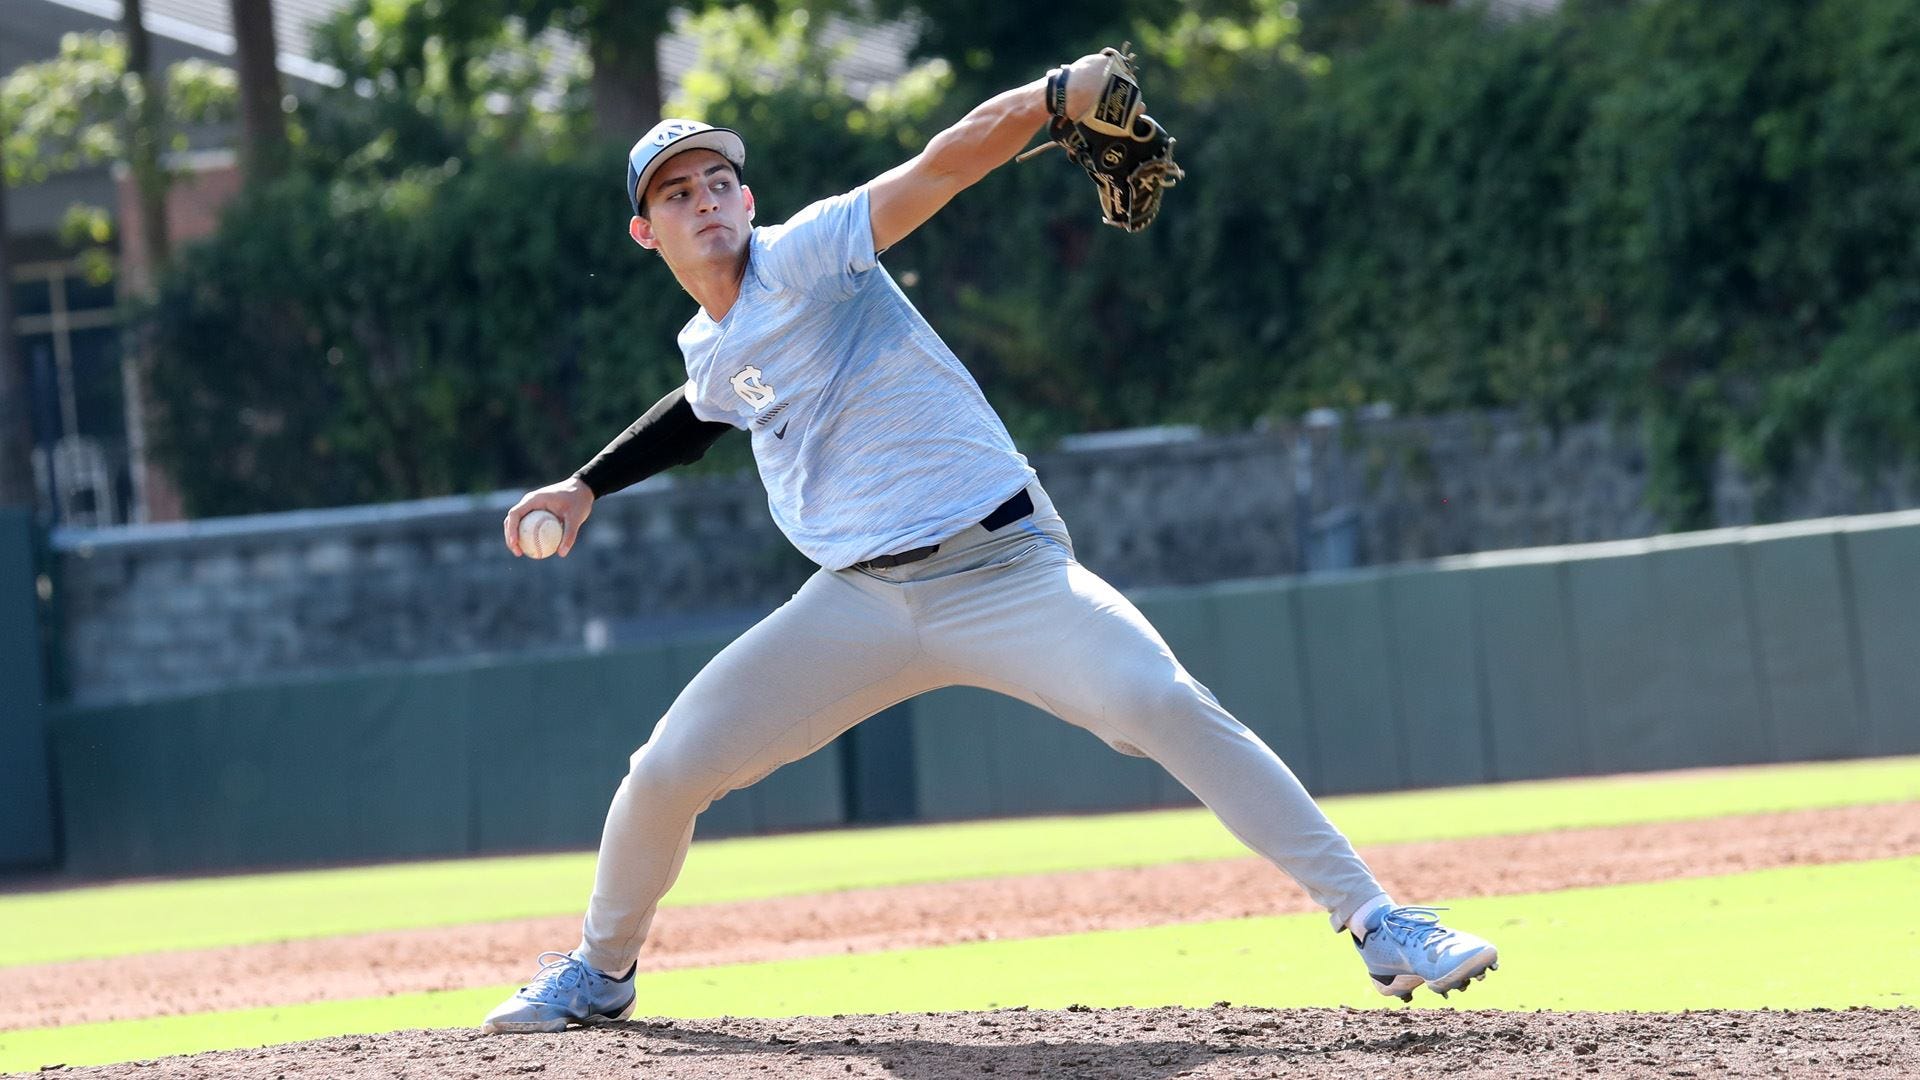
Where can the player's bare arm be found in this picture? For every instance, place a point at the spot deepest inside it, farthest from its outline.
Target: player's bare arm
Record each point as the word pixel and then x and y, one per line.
pixel 904 197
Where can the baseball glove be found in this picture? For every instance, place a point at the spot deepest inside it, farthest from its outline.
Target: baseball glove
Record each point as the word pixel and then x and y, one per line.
pixel 1127 153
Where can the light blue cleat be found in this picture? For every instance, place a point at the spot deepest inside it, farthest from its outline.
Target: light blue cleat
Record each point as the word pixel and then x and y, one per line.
pixel 1407 946
pixel 566 991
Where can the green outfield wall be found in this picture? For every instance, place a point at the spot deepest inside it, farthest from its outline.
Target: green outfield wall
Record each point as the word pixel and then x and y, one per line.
pixel 26 804
pixel 1764 644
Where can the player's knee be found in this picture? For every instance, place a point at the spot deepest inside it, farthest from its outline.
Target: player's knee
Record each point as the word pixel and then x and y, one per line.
pixel 1153 705
pixel 664 770
pixel 1172 696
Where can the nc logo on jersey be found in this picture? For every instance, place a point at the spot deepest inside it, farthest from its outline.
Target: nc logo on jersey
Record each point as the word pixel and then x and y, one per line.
pixel 757 395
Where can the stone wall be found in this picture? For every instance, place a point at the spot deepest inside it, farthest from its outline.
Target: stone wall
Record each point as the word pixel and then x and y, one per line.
pixel 156 610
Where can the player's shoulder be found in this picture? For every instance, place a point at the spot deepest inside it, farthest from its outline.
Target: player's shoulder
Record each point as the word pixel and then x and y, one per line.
pixel 821 216
pixel 820 247
pixel 696 333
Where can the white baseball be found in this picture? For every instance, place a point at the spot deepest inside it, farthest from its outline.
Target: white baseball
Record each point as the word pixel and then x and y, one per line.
pixel 540 534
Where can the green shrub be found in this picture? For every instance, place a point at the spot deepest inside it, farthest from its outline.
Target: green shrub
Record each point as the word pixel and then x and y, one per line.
pixel 456 330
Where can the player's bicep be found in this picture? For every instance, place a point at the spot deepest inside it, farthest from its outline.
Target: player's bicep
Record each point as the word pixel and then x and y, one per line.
pixel 901 199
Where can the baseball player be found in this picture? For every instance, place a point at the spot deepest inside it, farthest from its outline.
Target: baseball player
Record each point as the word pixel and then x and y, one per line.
pixel 942 560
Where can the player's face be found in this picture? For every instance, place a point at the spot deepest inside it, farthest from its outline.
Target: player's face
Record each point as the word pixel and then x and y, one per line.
pixel 696 210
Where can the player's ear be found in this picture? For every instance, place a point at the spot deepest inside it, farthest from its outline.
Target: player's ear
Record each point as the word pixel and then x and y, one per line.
pixel 642 232
pixel 746 193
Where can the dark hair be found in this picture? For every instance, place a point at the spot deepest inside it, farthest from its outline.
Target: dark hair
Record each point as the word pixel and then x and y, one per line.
pixel 640 197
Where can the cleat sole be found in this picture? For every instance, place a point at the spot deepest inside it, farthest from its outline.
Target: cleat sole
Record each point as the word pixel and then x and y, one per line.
pixel 1464 975
pixel 1398 986
pixel 547 1027
pixel 523 1027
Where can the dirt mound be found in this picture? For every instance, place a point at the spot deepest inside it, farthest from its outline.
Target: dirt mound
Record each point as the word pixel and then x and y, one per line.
pixel 1135 1044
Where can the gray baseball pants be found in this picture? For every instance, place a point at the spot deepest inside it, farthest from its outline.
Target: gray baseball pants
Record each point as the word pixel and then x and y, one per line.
pixel 1010 611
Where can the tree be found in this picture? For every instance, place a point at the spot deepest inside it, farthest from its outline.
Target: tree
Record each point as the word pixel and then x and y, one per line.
pixel 263 122
pixel 993 45
pixel 84 107
pixel 144 135
pixel 623 41
pixel 419 91
pixel 412 38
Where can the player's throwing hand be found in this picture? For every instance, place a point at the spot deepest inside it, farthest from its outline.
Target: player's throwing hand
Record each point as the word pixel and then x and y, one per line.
pixel 570 500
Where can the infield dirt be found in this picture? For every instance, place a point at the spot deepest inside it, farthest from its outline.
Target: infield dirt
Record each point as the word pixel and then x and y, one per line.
pixel 1135 1044
pixel 871 920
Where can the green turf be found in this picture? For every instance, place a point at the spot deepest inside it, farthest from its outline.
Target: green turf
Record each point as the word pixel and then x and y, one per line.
pixel 1772 939
pixel 115 920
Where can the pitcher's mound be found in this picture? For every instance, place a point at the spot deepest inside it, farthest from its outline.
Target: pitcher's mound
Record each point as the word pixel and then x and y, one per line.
pixel 1135 1044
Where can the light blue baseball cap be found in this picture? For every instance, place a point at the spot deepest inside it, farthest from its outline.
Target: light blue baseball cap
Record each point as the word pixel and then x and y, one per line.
pixel 670 137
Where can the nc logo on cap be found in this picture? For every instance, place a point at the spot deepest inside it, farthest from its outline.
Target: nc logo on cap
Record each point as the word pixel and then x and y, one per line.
pixel 673 129
pixel 670 137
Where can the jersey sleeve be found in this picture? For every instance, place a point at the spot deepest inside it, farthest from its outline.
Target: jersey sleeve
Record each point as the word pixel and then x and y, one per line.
pixel 823 249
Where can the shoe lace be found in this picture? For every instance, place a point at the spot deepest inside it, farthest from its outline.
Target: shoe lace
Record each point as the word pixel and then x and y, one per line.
pixel 560 974
pixel 1413 926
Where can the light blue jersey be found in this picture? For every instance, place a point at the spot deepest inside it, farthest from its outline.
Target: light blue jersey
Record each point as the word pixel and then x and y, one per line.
pixel 870 436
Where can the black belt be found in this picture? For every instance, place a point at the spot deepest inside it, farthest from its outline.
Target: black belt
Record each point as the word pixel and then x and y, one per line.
pixel 1003 515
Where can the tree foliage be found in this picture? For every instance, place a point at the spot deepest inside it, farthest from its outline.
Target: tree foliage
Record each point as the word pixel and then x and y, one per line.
pixel 78 111
pixel 73 111
pixel 1700 218
pixel 417 93
pixel 437 332
pixel 474 60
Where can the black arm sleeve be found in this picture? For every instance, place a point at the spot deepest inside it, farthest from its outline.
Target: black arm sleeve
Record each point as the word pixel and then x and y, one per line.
pixel 668 435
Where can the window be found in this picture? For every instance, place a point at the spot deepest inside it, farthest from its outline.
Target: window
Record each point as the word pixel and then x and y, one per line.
pixel 68 334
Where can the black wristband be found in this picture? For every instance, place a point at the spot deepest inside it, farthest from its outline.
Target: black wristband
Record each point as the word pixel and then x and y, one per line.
pixel 668 435
pixel 1057 92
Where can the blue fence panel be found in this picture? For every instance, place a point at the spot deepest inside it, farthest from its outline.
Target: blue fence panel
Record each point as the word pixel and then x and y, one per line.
pixel 1350 683
pixel 1802 622
pixel 1441 705
pixel 26 794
